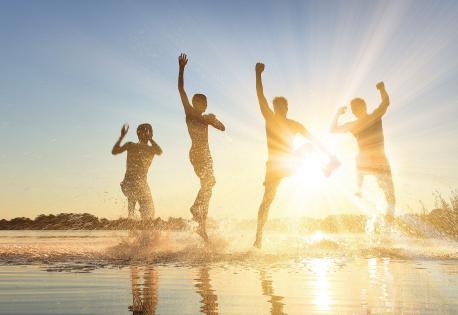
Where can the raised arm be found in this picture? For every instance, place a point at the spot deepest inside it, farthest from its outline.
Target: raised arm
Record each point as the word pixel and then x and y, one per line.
pixel 336 127
pixel 118 148
pixel 182 61
pixel 381 109
pixel 157 149
pixel 265 110
pixel 213 121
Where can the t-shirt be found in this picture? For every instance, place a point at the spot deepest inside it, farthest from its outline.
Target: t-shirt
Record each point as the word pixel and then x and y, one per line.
pixel 370 139
pixel 280 133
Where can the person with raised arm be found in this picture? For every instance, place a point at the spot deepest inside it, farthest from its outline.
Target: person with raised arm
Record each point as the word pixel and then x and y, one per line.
pixel 282 161
pixel 199 154
pixel 139 157
pixel 368 131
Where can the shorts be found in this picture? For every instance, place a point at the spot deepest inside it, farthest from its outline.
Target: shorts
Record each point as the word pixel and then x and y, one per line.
pixel 373 165
pixel 139 191
pixel 202 163
pixel 277 170
pixel 136 190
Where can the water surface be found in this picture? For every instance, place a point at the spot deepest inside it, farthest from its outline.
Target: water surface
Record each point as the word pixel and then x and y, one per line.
pixel 230 281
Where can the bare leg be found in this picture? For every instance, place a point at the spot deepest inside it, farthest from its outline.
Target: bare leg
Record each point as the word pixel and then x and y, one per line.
pixel 131 202
pixel 386 183
pixel 146 205
pixel 269 195
pixel 199 209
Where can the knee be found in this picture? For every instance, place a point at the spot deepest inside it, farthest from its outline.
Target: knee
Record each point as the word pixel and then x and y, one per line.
pixel 209 182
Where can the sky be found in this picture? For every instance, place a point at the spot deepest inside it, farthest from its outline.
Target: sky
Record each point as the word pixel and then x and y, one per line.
pixel 72 73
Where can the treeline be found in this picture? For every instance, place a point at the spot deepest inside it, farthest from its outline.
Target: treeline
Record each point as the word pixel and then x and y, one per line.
pixel 87 221
pixel 437 223
pixel 440 222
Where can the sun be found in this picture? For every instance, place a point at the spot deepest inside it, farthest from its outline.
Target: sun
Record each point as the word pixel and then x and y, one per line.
pixel 312 169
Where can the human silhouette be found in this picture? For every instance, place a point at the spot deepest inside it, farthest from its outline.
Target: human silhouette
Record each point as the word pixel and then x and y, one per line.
pixel 139 157
pixel 199 155
pixel 144 295
pixel 282 161
pixel 368 131
pixel 209 302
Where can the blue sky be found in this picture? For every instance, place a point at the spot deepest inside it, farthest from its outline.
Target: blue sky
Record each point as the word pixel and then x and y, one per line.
pixel 73 72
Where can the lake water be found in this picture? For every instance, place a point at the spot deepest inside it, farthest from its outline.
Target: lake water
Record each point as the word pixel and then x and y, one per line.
pixel 99 272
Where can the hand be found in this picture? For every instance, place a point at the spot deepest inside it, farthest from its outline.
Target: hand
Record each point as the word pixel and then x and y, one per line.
pixel 124 130
pixel 211 117
pixel 380 85
pixel 342 110
pixel 182 60
pixel 259 67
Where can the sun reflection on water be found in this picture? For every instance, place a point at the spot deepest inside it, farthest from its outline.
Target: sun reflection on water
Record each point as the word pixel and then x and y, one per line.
pixel 320 267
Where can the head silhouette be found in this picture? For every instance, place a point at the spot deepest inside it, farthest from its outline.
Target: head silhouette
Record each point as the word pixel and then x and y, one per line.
pixel 199 102
pixel 358 107
pixel 144 132
pixel 280 106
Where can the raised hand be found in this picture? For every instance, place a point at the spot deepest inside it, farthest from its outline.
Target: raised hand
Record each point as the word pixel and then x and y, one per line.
pixel 380 85
pixel 124 130
pixel 182 60
pixel 342 110
pixel 259 67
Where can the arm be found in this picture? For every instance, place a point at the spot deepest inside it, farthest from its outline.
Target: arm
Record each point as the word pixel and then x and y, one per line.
pixel 188 109
pixel 317 143
pixel 265 110
pixel 118 148
pixel 157 149
pixel 381 109
pixel 213 121
pixel 335 127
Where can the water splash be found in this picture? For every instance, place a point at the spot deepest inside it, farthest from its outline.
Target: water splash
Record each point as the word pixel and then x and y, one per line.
pixel 88 250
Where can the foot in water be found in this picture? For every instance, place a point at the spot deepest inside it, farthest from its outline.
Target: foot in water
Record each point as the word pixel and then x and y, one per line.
pixel 202 232
pixel 258 243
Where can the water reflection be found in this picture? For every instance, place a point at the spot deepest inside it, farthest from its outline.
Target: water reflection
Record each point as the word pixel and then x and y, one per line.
pixel 209 301
pixel 268 290
pixel 320 267
pixel 144 282
pixel 326 285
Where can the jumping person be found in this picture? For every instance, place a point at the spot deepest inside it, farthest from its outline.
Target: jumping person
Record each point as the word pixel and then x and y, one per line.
pixel 199 155
pixel 282 160
pixel 368 131
pixel 139 157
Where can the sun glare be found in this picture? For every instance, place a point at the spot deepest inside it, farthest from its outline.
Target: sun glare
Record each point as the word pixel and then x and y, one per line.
pixel 310 171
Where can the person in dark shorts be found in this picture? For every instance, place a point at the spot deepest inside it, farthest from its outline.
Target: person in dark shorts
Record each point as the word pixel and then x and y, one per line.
pixel 139 157
pixel 199 155
pixel 368 131
pixel 282 161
